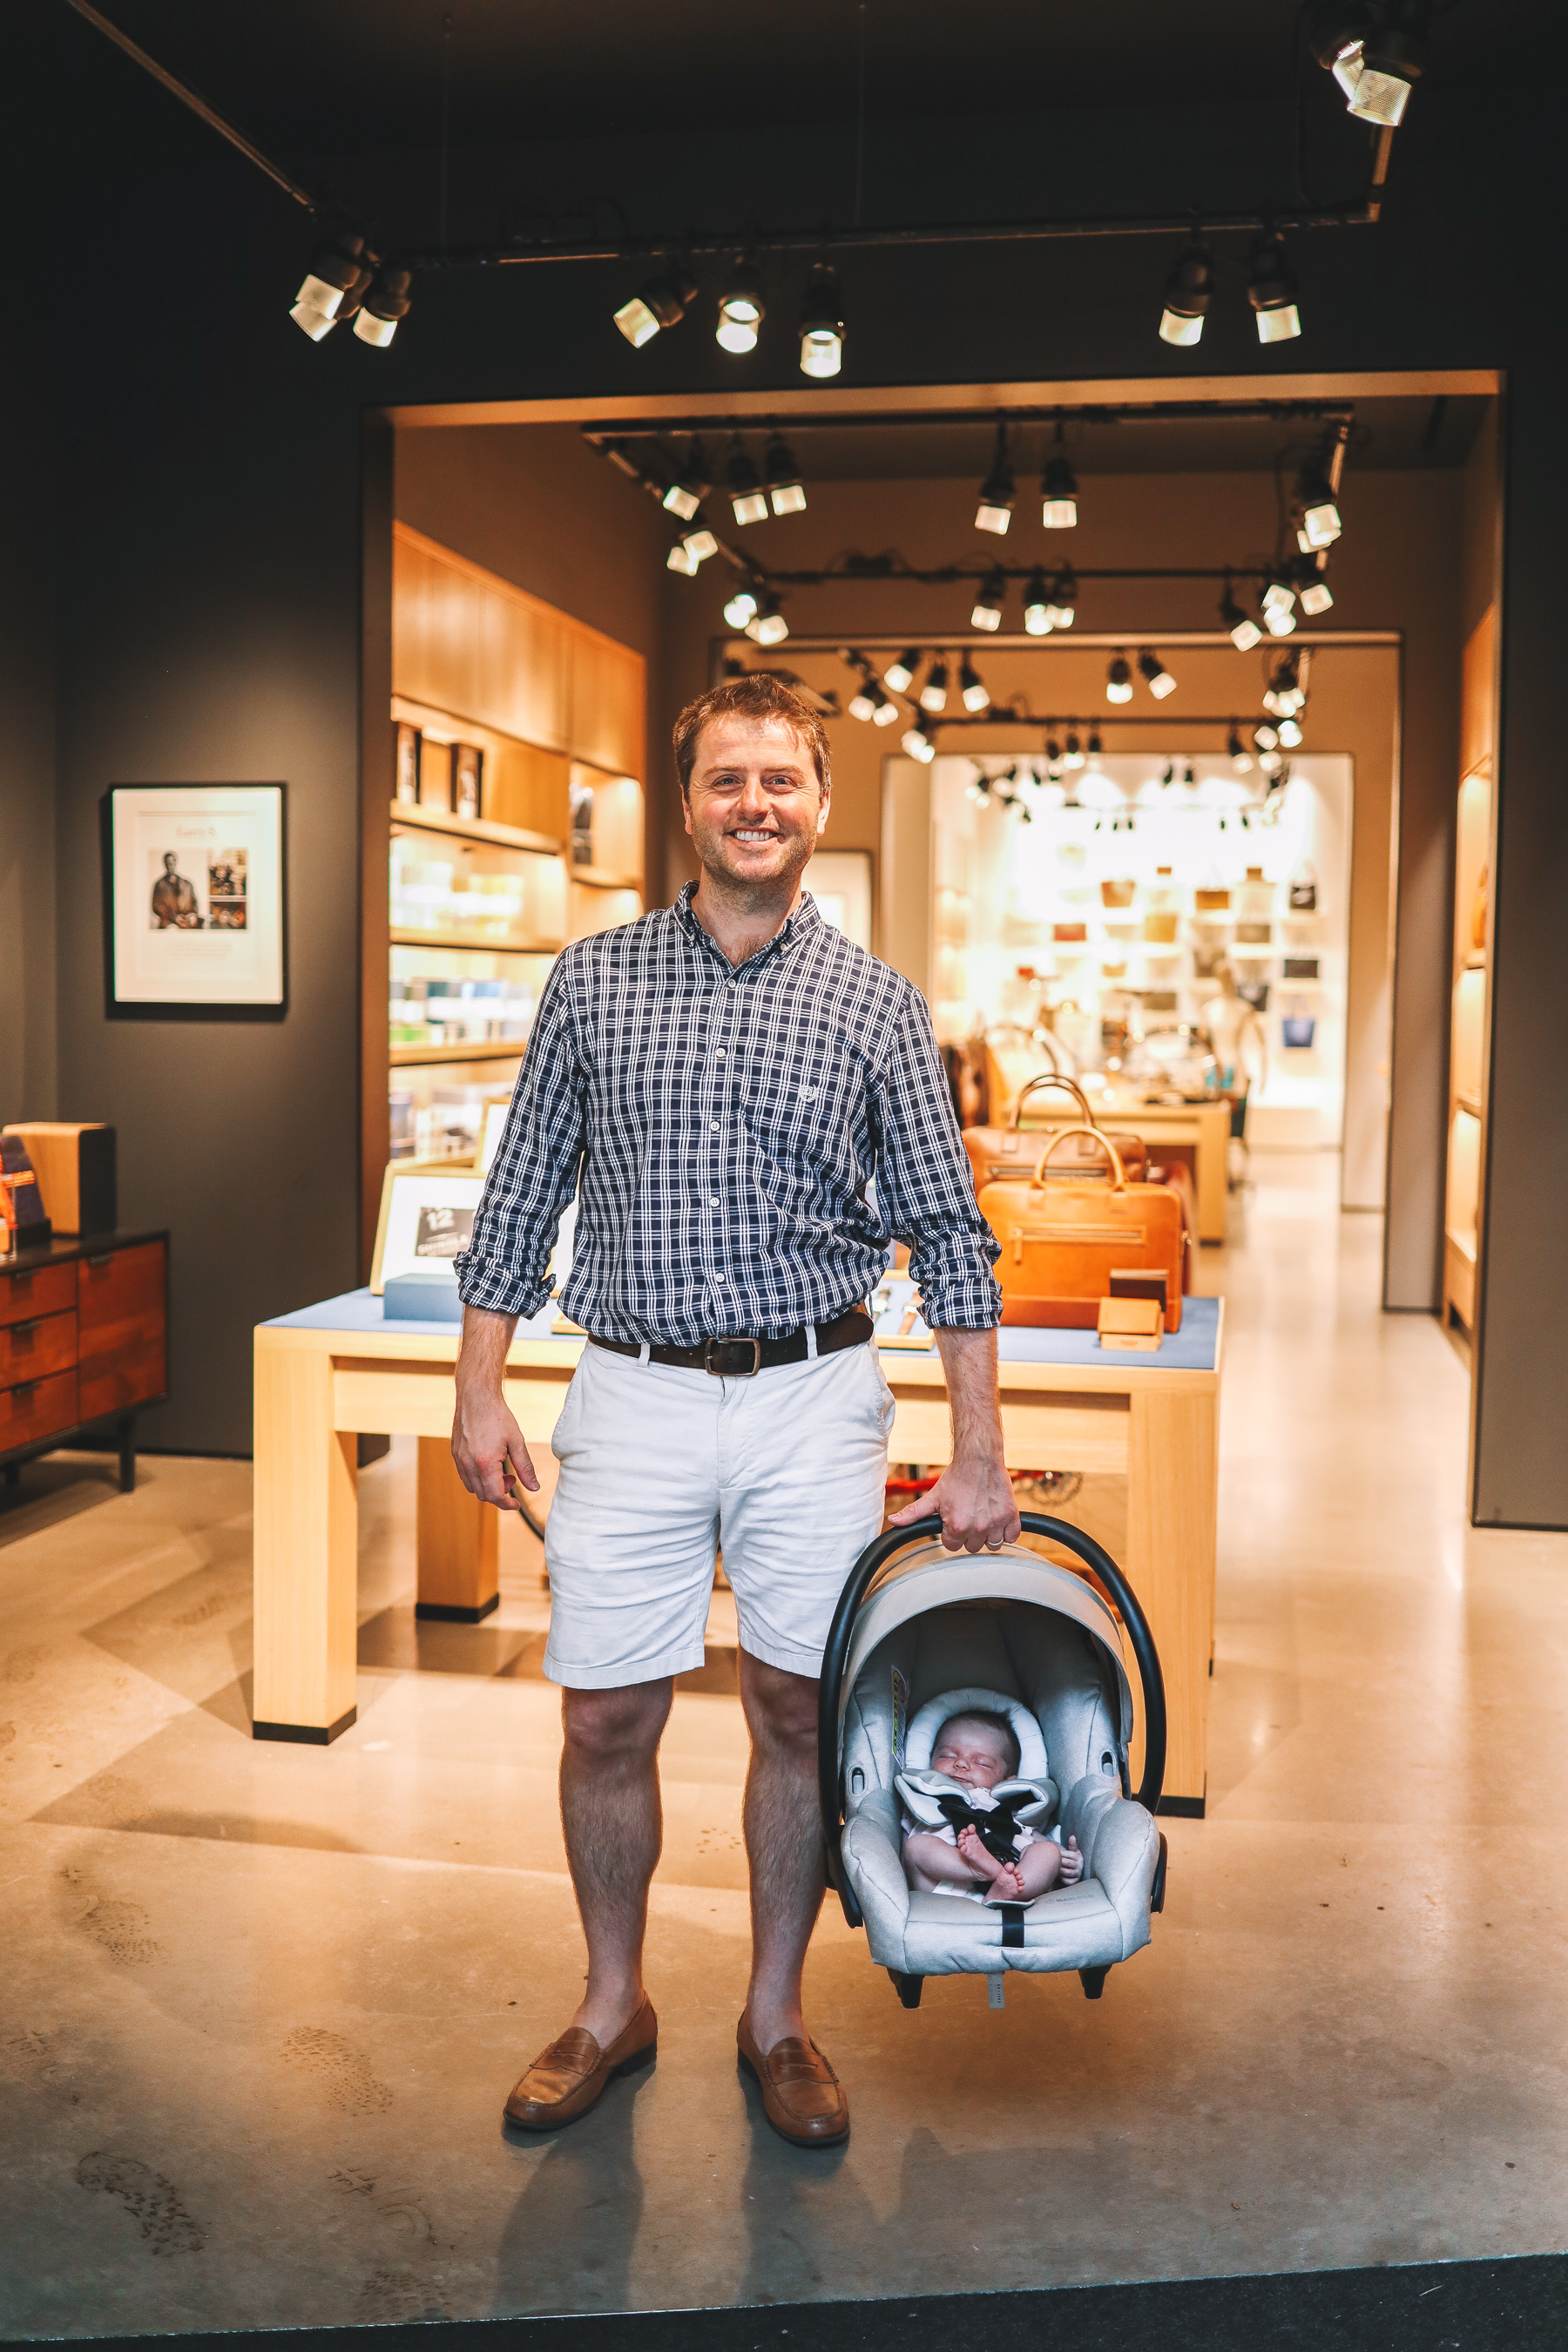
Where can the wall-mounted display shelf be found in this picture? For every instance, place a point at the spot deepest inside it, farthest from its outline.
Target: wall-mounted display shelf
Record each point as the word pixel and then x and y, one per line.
pixel 1462 1235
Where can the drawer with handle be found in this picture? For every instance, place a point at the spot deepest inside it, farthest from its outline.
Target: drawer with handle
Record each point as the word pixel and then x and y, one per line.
pixel 30 1352
pixel 35 1409
pixel 47 1290
pixel 120 1335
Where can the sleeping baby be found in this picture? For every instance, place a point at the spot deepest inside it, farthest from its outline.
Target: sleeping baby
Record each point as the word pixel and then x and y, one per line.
pixel 983 1848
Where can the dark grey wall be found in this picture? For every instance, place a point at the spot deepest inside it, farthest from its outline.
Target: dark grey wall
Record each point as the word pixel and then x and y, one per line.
pixel 208 556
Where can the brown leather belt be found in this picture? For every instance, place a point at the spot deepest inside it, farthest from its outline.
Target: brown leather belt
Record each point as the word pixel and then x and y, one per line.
pixel 739 1358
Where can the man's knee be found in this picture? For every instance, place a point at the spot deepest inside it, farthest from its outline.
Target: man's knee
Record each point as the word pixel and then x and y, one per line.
pixel 606 1726
pixel 782 1706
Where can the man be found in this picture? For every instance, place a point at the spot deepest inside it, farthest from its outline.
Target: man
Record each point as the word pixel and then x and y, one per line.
pixel 731 1072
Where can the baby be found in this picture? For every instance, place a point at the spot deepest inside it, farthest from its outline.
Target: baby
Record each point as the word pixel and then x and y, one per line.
pixel 978 1751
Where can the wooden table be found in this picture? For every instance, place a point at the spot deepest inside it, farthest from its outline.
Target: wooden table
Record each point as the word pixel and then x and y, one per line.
pixel 333 1370
pixel 1199 1130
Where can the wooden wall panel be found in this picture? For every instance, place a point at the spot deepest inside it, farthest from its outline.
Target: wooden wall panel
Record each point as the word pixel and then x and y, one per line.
pixel 474 646
pixel 609 702
pixel 1478 695
pixel 527 787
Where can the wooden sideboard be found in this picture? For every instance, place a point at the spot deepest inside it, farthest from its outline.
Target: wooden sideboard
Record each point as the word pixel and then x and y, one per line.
pixel 83 1343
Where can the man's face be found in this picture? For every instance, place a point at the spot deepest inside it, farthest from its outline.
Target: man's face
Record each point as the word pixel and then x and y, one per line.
pixel 753 808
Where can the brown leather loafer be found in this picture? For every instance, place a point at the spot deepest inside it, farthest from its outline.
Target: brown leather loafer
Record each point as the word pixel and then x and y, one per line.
pixel 566 2080
pixel 802 2099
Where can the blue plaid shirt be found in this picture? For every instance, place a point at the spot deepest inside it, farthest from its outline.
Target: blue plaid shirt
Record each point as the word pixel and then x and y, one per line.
pixel 727 1123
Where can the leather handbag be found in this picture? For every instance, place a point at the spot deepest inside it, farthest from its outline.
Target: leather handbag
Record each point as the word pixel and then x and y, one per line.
pixel 1060 1242
pixel 998 1152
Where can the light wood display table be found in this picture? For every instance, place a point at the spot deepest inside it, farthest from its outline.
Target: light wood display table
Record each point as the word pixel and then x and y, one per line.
pixel 1203 1128
pixel 333 1370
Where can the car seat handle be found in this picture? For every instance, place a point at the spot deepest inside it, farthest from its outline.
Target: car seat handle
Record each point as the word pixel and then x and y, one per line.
pixel 836 1657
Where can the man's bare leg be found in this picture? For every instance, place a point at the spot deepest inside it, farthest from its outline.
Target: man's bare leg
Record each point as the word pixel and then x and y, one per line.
pixel 614 1828
pixel 783 1843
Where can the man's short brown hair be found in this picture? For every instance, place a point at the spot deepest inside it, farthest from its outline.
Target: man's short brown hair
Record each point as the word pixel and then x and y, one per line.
pixel 757 694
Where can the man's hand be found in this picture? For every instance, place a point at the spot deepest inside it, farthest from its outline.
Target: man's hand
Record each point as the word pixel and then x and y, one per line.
pixel 488 1447
pixel 973 1497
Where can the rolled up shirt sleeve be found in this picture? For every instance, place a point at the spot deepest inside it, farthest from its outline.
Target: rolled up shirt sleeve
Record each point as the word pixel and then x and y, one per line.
pixel 534 1173
pixel 923 1185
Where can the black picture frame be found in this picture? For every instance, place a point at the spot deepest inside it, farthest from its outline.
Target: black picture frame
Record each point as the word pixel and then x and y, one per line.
pixel 118 1008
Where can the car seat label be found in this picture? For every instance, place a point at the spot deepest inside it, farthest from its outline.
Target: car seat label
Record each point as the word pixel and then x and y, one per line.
pixel 900 1715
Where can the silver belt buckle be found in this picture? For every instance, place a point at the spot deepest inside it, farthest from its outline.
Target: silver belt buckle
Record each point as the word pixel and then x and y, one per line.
pixel 720 1372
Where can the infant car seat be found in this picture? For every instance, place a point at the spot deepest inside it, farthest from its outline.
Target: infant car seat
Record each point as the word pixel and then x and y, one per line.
pixel 941 1626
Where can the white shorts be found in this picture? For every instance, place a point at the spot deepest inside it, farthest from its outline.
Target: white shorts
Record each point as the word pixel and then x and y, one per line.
pixel 658 1466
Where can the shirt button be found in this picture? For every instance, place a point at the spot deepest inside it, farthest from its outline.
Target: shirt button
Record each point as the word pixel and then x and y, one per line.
pixel 719 1054
pixel 713 1200
pixel 715 1126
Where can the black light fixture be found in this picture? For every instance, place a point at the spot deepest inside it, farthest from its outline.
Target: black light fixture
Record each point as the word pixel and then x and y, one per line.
pixel 747 496
pixel 1189 290
pixel 1272 290
pixel 934 693
pixel 821 324
pixel 1062 609
pixel 1119 680
pixel 973 692
pixel 1265 739
pixel 1058 489
pixel 1095 743
pixel 1290 733
pixel 1036 606
pixel 1243 630
pixel 664 302
pixel 997 491
pixel 693 548
pixel 335 284
pixel 901 674
pixel 383 304
pixel 785 488
pixel 741 309
pixel 862 704
pixel 769 627
pixel 1376 55
pixel 1240 756
pixel 986 612
pixel 886 709
pixel 1312 590
pixel 1161 682
pixel 1285 694
pixel 1073 755
pixel 1316 501
pixel 918 745
pixel 742 609
pixel 690 485
pixel 1279 605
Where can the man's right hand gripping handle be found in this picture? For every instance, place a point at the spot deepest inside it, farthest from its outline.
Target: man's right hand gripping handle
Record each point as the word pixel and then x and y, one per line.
pixel 488 1447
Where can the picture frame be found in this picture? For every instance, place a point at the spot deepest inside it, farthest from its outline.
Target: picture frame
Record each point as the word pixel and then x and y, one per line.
pixel 195 896
pixel 840 882
pixel 426 1216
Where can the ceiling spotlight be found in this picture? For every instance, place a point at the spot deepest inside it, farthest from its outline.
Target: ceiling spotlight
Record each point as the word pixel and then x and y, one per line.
pixel 1271 762
pixel 901 674
pixel 334 284
pixel 994 511
pixel 862 703
pixel 741 311
pixel 1073 756
pixel 747 495
pixel 1320 524
pixel 973 691
pixel 785 485
pixel 1279 607
pixel 698 544
pixel 1243 629
pixel 1376 64
pixel 1272 290
pixel 821 324
pixel 1189 290
pixel 934 693
pixel 742 609
pixel 1036 606
pixel 1161 682
pixel 1314 591
pixel 1053 755
pixel 384 303
pixel 1058 490
pixel 1240 756
pixel 1062 609
pixel 769 627
pixel 1095 746
pixel 987 610
pixel 918 745
pixel 1265 739
pixel 1119 680
pixel 691 486
pixel 1290 733
pixel 885 712
pixel 662 302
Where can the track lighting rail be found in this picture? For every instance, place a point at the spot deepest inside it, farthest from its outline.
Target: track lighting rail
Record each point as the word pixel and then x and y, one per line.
pixel 827 420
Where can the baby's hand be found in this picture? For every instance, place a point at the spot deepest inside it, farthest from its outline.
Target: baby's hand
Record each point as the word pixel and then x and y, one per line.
pixel 976 1854
pixel 1072 1863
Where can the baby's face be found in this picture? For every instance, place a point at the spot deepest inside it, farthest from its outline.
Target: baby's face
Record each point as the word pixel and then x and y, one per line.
pixel 971 1752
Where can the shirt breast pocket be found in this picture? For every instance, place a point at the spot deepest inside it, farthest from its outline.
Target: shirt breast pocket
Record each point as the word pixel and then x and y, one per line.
pixel 804 1122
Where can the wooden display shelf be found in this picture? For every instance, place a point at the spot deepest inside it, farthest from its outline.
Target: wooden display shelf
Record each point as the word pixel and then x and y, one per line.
pixel 481 947
pixel 1467 1102
pixel 492 1049
pixel 601 878
pixel 416 816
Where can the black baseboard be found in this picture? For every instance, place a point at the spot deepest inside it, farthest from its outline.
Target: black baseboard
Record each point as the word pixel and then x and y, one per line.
pixel 1183 1809
pixel 1516 2305
pixel 440 1613
pixel 308 1735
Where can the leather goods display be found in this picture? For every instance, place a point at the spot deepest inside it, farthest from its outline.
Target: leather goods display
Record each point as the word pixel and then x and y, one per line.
pixel 1070 935
pixel 1116 894
pixel 998 1152
pixel 1060 1242
pixel 1212 901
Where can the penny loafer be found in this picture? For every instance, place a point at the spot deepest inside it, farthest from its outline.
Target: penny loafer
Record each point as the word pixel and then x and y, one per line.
pixel 566 2080
pixel 802 2099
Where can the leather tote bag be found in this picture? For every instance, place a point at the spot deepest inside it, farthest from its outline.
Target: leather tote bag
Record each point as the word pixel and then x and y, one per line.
pixel 1061 1241
pixel 997 1152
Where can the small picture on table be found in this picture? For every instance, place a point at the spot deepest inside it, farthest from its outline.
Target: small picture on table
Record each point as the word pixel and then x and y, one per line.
pixel 443 1232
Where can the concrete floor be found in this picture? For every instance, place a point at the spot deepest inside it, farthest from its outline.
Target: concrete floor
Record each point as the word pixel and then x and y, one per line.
pixel 237 2095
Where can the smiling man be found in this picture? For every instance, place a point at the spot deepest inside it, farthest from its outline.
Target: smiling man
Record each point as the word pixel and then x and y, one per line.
pixel 751 1110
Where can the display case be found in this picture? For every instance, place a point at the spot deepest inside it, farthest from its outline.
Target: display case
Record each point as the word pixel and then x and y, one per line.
pixel 1468 1013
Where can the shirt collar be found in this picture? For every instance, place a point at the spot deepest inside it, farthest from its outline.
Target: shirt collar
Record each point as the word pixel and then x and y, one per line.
pixel 805 920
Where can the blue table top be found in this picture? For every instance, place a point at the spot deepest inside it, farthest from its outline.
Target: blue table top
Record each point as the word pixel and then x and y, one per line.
pixel 1190 1350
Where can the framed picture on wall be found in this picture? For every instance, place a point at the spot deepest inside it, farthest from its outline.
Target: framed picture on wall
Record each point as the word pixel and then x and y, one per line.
pixel 194 901
pixel 840 882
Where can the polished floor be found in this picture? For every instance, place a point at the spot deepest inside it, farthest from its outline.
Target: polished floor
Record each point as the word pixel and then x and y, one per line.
pixel 259 2005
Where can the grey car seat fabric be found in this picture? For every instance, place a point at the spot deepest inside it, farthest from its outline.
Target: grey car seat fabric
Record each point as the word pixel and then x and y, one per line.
pixel 1056 1666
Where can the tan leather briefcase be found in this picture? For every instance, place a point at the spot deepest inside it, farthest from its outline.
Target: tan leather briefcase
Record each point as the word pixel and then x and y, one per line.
pixel 996 1153
pixel 1060 1242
